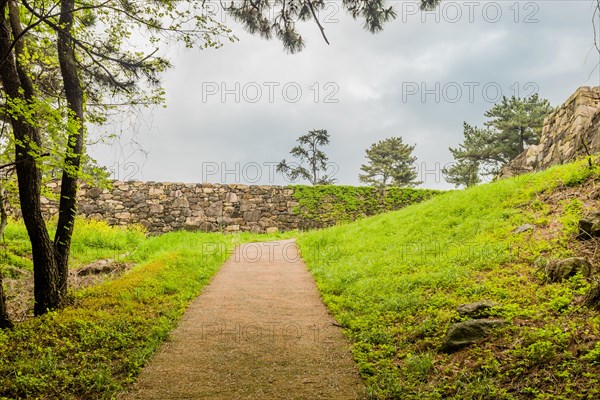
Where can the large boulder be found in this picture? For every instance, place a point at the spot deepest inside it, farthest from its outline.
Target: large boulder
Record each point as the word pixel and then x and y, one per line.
pixel 560 270
pixel 462 334
pixel 589 226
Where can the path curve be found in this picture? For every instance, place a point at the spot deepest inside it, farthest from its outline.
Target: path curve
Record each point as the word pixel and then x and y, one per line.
pixel 259 330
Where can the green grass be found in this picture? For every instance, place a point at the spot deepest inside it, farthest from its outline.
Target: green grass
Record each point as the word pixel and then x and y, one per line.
pixel 15 249
pixel 92 240
pixel 394 281
pixel 95 347
pixel 326 205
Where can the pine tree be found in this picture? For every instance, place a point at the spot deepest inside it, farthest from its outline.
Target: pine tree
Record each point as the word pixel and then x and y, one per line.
pixel 518 123
pixel 308 151
pixel 513 125
pixel 463 173
pixel 390 163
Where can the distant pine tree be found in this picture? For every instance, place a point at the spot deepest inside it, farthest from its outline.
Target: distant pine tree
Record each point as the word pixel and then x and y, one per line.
pixel 514 124
pixel 390 163
pixel 308 151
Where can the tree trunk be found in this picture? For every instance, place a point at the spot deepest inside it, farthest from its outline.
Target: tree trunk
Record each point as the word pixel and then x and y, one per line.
pixel 17 85
pixel 5 322
pixel 3 213
pixel 50 260
pixel 4 319
pixel 521 139
pixel 313 162
pixel 75 101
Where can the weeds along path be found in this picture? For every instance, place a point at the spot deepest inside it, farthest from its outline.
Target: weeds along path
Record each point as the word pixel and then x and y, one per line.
pixel 259 330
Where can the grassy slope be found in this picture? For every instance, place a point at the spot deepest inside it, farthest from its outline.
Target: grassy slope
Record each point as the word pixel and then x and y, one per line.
pixel 394 281
pixel 95 347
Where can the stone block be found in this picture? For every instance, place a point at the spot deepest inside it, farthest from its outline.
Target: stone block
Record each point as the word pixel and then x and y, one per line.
pixel 181 202
pixel 252 216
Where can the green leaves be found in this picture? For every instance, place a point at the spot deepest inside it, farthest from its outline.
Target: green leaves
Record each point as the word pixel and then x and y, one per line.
pixel 332 204
pixel 391 163
pixel 95 347
pixel 394 282
pixel 308 152
pixel 513 125
pixel 278 19
pixel 517 123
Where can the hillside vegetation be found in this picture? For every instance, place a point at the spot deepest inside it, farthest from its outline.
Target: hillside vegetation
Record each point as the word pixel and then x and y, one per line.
pixel 96 346
pixel 327 205
pixel 394 282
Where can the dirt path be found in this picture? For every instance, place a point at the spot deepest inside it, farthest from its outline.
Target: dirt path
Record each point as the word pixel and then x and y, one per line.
pixel 258 331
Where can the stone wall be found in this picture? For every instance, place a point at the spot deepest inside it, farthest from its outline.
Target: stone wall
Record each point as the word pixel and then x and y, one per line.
pixel 571 131
pixel 164 207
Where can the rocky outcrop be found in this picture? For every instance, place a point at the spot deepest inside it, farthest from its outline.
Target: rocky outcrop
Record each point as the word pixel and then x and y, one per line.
pixel 571 131
pixel 101 267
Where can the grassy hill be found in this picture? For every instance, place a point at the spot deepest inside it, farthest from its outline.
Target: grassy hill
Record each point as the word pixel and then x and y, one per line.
pixel 393 281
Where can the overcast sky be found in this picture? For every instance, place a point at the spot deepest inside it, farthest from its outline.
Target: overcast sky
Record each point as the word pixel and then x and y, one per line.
pixel 234 112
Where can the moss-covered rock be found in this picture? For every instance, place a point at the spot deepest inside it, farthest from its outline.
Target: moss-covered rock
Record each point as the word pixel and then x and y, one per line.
pixel 479 309
pixel 589 226
pixel 560 270
pixel 462 334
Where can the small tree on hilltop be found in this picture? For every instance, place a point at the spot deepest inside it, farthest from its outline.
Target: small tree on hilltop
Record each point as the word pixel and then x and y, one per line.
pixel 474 153
pixel 462 173
pixel 514 124
pixel 308 152
pixel 390 163
pixel 518 123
